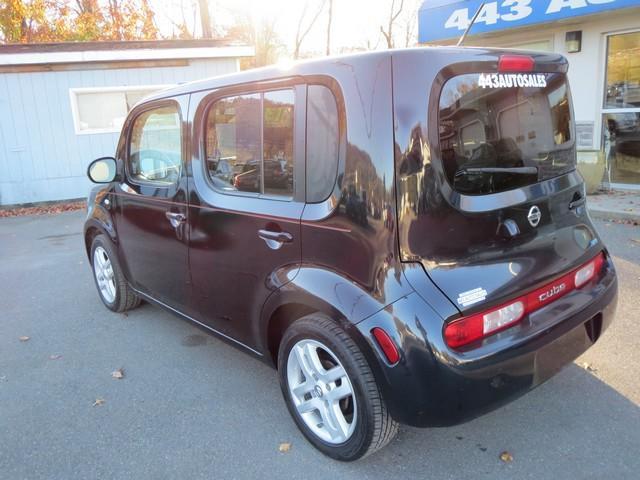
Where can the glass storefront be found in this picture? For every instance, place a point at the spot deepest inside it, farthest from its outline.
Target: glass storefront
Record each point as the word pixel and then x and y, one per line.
pixel 621 121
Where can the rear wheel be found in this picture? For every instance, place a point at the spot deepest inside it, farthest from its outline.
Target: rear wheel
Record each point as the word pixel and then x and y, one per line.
pixel 330 390
pixel 113 288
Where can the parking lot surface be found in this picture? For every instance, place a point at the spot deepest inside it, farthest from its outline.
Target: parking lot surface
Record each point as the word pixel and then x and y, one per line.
pixel 191 406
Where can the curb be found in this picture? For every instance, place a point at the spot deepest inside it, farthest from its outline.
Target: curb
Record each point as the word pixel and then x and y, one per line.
pixel 603 214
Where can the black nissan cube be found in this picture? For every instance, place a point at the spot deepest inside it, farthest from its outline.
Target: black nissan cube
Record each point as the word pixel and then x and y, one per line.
pixel 402 234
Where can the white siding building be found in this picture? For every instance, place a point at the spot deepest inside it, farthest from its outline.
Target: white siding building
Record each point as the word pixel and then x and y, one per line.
pixel 62 105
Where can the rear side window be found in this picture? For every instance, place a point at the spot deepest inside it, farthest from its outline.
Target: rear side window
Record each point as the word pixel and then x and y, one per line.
pixel 322 142
pixel 155 148
pixel 504 131
pixel 249 143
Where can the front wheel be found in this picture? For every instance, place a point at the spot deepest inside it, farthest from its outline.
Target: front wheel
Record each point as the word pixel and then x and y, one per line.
pixel 330 390
pixel 113 288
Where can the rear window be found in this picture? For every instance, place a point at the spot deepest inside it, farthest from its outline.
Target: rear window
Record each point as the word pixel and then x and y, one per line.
pixel 504 131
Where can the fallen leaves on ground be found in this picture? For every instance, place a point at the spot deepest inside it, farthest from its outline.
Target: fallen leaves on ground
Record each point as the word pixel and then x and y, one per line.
pixel 118 374
pixel 55 357
pixel 51 209
pixel 24 338
pixel 284 447
pixel 506 457
pixel 99 402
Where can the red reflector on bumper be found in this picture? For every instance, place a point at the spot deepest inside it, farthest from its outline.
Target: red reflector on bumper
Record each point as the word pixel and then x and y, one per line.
pixel 474 327
pixel 386 344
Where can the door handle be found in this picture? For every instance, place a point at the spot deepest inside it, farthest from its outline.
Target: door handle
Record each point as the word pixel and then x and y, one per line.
pixel 175 219
pixel 576 203
pixel 275 240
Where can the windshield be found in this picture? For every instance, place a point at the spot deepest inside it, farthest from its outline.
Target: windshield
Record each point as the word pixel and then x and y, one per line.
pixel 504 131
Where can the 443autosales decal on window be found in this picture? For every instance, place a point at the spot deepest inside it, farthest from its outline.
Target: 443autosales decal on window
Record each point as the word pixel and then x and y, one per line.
pixel 511 80
pixel 448 19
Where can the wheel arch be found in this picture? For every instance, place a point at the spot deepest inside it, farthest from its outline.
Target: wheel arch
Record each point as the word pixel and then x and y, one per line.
pixel 99 222
pixel 314 289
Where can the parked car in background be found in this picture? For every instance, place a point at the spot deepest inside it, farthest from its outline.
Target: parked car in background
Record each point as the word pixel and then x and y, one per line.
pixel 406 239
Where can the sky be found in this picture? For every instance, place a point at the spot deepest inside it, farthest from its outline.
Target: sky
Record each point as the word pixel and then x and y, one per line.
pixel 356 23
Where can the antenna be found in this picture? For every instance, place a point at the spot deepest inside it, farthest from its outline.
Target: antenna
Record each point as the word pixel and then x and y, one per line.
pixel 464 35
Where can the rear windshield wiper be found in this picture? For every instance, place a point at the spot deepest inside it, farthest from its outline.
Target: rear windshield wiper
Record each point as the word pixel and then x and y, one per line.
pixel 513 170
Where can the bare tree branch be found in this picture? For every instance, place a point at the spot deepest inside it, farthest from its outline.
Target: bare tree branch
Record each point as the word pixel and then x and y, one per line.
pixel 388 34
pixel 299 36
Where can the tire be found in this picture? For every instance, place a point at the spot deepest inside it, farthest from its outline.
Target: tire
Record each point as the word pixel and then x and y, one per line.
pixel 366 423
pixel 113 288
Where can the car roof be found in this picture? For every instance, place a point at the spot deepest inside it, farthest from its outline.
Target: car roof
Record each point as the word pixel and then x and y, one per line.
pixel 315 66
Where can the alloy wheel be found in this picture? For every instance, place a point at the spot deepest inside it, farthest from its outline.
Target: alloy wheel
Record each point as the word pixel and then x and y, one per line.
pixel 321 391
pixel 103 271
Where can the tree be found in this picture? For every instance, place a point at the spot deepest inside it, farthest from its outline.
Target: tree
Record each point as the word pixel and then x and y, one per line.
pixel 393 16
pixel 75 20
pixel 263 35
pixel 409 22
pixel 330 16
pixel 302 33
pixel 205 19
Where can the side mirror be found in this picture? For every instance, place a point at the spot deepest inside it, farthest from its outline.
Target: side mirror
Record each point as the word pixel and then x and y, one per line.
pixel 102 170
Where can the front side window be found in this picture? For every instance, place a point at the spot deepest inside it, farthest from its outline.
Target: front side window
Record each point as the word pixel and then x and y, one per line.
pixel 155 147
pixel 504 131
pixel 249 143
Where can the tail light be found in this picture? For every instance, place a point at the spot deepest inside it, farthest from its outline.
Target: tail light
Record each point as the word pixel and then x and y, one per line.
pixel 475 327
pixel 516 63
pixel 586 273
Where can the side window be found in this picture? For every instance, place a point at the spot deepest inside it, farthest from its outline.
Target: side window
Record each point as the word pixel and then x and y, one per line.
pixel 249 143
pixel 155 148
pixel 322 143
pixel 278 142
pixel 233 143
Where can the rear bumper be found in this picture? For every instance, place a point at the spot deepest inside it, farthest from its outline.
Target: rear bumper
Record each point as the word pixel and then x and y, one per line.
pixel 433 385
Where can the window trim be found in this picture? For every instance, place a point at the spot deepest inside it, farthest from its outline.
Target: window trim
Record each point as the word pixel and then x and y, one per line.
pixel 297 100
pixel 75 111
pixel 129 124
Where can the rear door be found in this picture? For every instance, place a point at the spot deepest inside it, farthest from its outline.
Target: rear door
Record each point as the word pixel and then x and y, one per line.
pixel 502 206
pixel 246 201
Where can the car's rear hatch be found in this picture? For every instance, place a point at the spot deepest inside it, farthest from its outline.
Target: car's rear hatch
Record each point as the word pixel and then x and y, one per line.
pixel 489 200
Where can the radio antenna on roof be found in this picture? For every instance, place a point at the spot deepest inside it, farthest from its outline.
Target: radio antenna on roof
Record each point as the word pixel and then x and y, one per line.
pixel 464 35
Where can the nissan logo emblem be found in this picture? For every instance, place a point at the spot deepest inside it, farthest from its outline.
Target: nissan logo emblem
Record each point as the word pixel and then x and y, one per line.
pixel 534 216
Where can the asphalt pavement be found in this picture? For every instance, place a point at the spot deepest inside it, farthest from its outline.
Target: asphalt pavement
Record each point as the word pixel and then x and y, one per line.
pixel 190 406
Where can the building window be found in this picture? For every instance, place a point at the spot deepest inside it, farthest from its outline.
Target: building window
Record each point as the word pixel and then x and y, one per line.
pixel 621 113
pixel 155 149
pixel 249 143
pixel 104 110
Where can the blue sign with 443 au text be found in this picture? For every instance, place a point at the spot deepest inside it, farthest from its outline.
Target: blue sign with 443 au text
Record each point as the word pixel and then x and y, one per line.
pixel 443 19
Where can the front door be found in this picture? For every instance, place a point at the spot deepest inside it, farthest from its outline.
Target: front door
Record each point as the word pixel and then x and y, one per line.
pixel 151 202
pixel 244 217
